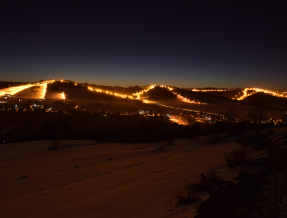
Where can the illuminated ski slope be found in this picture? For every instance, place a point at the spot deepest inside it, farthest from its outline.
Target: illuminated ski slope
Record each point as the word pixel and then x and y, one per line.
pixel 16 89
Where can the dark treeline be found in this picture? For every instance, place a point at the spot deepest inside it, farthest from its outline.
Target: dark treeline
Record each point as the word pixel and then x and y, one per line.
pixel 109 127
pixel 58 86
pixel 271 100
pixel 5 84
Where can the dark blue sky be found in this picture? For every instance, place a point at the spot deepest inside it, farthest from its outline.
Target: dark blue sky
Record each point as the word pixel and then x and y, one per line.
pixel 142 42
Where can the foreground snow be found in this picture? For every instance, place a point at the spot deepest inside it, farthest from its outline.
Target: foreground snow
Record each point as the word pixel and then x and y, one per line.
pixel 89 179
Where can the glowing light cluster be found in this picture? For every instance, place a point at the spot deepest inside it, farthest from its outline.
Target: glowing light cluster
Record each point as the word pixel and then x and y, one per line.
pixel 44 90
pixel 169 88
pixel 63 96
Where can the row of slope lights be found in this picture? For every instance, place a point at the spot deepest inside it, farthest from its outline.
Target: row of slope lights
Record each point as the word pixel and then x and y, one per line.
pixel 245 94
pixel 182 98
pixel 143 91
pixel 284 95
pixel 110 93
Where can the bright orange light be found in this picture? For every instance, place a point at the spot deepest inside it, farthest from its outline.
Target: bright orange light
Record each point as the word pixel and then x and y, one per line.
pixel 63 96
pixel 44 90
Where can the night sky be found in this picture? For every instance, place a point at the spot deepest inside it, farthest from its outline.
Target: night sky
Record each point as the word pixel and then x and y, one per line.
pixel 183 43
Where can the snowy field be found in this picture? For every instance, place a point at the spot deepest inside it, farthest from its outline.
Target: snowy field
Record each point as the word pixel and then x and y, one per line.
pixel 90 179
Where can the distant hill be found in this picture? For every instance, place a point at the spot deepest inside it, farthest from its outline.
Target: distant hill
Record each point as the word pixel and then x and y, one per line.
pixel 160 93
pixel 205 97
pixel 269 99
pixel 228 94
